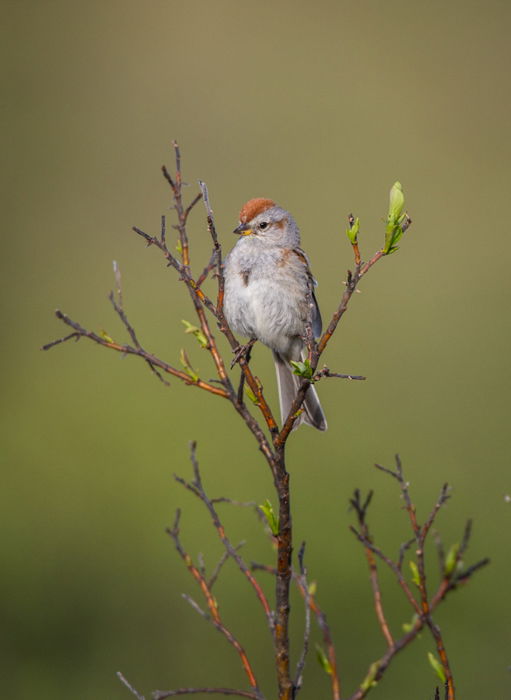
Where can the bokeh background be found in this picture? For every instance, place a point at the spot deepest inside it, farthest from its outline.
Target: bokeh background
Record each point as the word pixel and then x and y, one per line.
pixel 320 106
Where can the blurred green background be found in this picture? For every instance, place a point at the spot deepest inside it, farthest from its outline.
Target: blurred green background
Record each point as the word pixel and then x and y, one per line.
pixel 320 107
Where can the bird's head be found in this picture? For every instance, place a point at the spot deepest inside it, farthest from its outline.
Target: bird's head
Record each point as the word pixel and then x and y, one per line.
pixel 266 221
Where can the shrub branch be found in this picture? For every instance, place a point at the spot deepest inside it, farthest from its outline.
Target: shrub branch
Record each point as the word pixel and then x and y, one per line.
pixel 271 441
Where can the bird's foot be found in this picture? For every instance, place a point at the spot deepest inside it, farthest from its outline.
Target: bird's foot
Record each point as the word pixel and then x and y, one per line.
pixel 242 352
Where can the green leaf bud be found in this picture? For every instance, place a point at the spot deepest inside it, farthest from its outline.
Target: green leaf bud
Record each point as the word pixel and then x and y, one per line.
pixel 323 660
pixel 196 332
pixel 436 666
pixel 451 559
pixel 271 518
pixel 369 681
pixel 396 202
pixel 353 229
pixel 415 573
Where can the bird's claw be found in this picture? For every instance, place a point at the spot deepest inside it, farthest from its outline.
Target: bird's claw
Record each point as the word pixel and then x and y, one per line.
pixel 242 352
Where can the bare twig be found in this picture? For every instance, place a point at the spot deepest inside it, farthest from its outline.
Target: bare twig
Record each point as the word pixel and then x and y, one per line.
pixel 325 372
pixel 128 685
pixel 197 489
pixel 119 310
pixel 392 566
pixel 162 694
pixel 195 605
pixel 213 607
pixel 218 568
pixel 307 627
pixel 361 511
pixel 107 342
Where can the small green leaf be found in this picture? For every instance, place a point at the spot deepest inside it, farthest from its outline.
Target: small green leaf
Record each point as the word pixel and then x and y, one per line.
pixel 105 336
pixel 436 666
pixel 451 560
pixel 369 681
pixel 352 232
pixel 179 247
pixel 323 660
pixel 408 626
pixel 251 396
pixel 313 587
pixel 302 369
pixel 185 362
pixel 271 518
pixel 415 573
pixel 195 331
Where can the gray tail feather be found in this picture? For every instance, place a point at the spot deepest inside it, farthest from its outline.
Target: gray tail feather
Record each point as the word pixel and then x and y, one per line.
pixel 288 384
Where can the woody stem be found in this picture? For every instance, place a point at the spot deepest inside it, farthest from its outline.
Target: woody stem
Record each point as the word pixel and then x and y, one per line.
pixel 283 578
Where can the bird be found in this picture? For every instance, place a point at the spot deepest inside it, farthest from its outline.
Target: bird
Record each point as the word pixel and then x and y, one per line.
pixel 268 295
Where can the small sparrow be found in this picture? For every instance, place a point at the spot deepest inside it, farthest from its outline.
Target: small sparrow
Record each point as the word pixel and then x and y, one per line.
pixel 267 283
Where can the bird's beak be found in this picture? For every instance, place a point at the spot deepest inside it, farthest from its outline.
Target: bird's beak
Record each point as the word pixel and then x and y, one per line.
pixel 243 230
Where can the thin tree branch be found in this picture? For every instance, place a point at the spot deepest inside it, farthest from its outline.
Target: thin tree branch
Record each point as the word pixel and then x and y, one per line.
pixel 106 342
pixel 128 685
pixel 162 694
pixel 213 607
pixel 325 372
pixel 361 511
pixel 297 684
pixel 392 566
pixel 424 610
pixel 420 533
pixel 196 487
pixel 218 568
pixel 119 310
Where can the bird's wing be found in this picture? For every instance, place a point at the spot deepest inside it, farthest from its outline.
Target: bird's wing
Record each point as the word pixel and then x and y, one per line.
pixel 316 315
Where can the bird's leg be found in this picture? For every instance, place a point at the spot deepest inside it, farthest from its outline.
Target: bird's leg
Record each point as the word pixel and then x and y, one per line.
pixel 243 351
pixel 248 352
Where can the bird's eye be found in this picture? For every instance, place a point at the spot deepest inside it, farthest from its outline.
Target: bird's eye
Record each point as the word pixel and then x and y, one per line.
pixel 263 225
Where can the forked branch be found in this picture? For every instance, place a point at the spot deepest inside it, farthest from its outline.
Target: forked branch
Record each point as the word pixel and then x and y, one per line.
pixel 451 577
